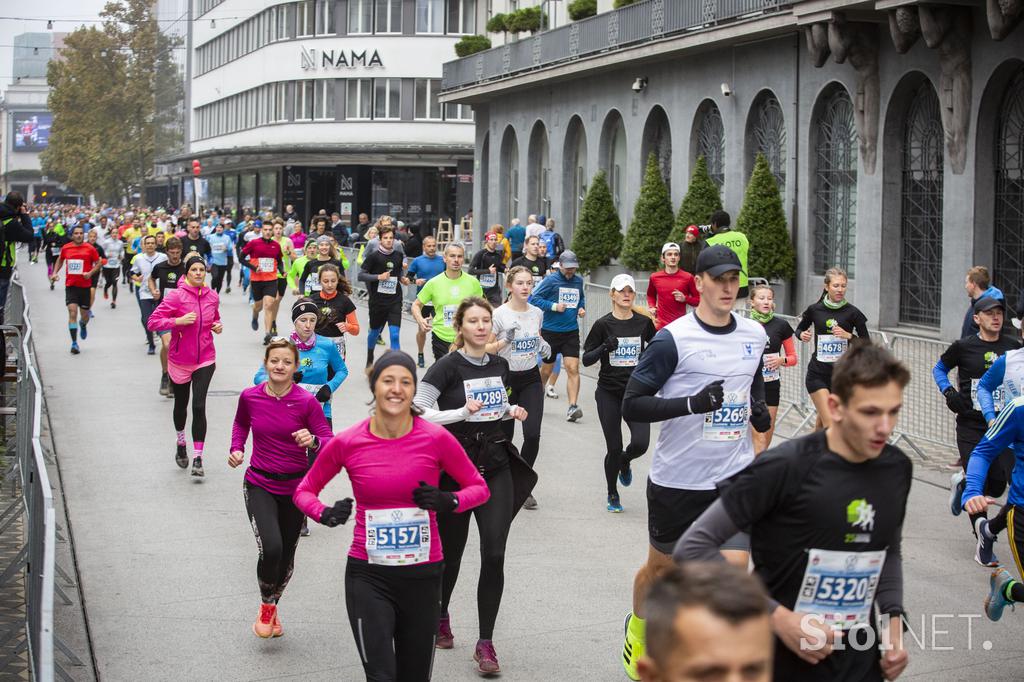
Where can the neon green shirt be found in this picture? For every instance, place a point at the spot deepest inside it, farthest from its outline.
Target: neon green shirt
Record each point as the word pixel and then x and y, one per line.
pixel 445 295
pixel 737 241
pixel 296 270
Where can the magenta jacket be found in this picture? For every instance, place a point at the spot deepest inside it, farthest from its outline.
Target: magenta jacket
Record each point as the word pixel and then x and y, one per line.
pixel 191 344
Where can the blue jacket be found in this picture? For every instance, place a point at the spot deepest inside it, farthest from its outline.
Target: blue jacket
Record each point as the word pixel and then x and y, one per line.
pixel 313 364
pixel 516 237
pixel 546 295
pixel 219 240
pixel 969 327
pixel 425 267
pixel 1007 431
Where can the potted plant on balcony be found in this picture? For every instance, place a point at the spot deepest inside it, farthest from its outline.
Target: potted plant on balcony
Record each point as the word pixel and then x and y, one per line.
pixel 525 20
pixel 581 9
pixel 622 3
pixel 498 23
pixel 471 45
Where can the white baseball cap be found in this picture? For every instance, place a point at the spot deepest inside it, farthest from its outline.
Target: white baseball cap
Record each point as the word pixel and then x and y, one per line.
pixel 621 281
pixel 668 247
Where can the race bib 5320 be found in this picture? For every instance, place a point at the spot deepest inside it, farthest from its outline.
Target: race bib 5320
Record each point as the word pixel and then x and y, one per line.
pixel 840 586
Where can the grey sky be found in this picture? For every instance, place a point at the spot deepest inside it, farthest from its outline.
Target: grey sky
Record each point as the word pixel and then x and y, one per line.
pixel 66 15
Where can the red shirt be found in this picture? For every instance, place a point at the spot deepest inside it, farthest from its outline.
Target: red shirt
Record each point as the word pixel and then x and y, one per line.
pixel 659 295
pixel 79 261
pixel 264 255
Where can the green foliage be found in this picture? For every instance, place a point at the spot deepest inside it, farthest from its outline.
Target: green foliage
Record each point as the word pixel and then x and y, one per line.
pixel 622 3
pixel 763 220
pixel 498 23
pixel 652 221
pixel 598 234
pixel 525 20
pixel 471 45
pixel 115 96
pixel 581 9
pixel 701 200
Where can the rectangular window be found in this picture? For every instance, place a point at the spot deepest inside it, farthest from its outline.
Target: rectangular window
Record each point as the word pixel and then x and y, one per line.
pixel 389 16
pixel 305 18
pixel 359 102
pixel 324 17
pixel 458 112
pixel 360 16
pixel 304 101
pixel 462 16
pixel 324 100
pixel 387 96
pixel 427 106
pixel 430 16
pixel 282 112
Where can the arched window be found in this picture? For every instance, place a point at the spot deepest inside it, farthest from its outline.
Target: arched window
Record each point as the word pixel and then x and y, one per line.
pixel 921 208
pixel 835 184
pixel 539 198
pixel 1009 190
pixel 658 139
pixel 768 137
pixel 508 178
pixel 574 178
pixel 617 164
pixel 710 142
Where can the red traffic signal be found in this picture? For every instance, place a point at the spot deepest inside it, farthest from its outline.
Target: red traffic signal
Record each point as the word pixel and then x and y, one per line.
pixel 196 168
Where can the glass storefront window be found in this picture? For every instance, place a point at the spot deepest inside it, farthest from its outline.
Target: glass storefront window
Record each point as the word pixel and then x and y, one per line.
pixel 247 191
pixel 268 191
pixel 230 202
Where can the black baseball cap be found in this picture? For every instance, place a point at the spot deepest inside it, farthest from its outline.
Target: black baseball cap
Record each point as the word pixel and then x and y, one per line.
pixel 718 259
pixel 988 303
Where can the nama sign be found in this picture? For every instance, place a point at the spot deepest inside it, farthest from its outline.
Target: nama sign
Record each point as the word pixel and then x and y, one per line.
pixel 313 59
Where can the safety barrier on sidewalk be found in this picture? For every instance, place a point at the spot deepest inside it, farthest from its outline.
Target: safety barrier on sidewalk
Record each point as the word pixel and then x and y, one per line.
pixel 38 556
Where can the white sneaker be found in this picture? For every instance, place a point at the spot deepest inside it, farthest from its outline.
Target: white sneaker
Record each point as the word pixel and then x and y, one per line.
pixel 550 392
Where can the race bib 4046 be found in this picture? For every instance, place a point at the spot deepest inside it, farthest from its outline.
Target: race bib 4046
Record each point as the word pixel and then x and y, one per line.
pixel 627 354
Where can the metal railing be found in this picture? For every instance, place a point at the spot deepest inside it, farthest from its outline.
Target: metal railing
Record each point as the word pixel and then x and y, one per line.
pixel 631 25
pixel 38 556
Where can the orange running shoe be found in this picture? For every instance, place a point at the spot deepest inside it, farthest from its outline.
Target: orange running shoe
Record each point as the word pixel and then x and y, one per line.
pixel 278 630
pixel 264 625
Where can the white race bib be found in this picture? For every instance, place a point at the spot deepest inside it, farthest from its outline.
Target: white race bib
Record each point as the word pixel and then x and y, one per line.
pixel 219 248
pixel 491 392
pixel 397 537
pixel 627 354
pixel 525 346
pixel 339 342
pixel 770 374
pixel 113 262
pixel 76 266
pixel 998 397
pixel 840 586
pixel 267 264
pixel 488 280
pixel 54 250
pixel 313 281
pixel 830 348
pixel 387 286
pixel 448 315
pixel 569 296
pixel 729 422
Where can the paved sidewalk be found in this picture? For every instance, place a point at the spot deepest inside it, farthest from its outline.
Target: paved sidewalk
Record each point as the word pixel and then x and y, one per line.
pixel 168 563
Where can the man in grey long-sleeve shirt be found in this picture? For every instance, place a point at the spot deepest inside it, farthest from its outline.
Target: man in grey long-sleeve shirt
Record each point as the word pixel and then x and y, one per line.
pixel 825 515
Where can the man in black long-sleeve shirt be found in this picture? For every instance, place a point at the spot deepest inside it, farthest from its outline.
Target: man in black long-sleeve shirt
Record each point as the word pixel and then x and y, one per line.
pixel 825 514
pixel 15 226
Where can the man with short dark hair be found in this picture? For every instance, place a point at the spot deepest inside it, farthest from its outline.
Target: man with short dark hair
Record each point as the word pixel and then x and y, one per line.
pixel 978 284
pixel 15 226
pixel 737 241
pixel 707 621
pixel 83 261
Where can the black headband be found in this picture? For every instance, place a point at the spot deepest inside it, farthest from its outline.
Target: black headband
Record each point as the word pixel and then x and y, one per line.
pixel 303 307
pixel 392 357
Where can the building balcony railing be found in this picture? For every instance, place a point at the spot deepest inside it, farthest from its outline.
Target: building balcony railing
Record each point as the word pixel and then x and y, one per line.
pixel 631 25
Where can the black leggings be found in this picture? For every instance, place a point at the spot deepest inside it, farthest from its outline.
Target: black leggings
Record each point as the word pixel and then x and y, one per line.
pixel 968 435
pixel 393 611
pixel 110 276
pixel 217 277
pixel 126 269
pixel 199 384
pixel 146 308
pixel 527 391
pixel 276 522
pixel 493 520
pixel 609 412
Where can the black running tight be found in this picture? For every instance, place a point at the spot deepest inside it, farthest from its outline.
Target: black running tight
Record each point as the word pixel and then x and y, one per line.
pixel 110 276
pixel 198 386
pixel 276 522
pixel 609 412
pixel 527 391
pixel 394 612
pixel 493 520
pixel 217 277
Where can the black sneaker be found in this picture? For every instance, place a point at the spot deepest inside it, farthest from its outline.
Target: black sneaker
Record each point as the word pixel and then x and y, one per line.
pixel 273 328
pixel 304 531
pixel 266 338
pixel 419 361
pixel 255 324
pixel 181 457
pixel 165 389
pixel 197 466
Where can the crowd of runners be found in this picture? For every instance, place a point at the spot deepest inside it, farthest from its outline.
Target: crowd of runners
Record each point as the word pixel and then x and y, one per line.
pixel 819 517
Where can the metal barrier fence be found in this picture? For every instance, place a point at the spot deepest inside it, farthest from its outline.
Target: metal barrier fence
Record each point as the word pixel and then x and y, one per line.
pixel 38 556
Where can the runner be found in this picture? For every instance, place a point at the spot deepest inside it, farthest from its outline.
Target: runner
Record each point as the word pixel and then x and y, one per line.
pixel 264 260
pixel 191 311
pixel 337 312
pixel 972 356
pixel 229 230
pixel 92 238
pixel 423 268
pixel 299 264
pixel 832 321
pixel 701 377
pixel 517 339
pixel 468 386
pixel 516 236
pixel 82 262
pixel 113 247
pixel 129 233
pixel 326 252
pixel 54 237
pixel 560 295
pixel 166 275
pixel 532 260
pixel 394 461
pixel 382 272
pixel 617 340
pixel 221 247
pixel 443 294
pixel 141 268
pixel 275 411
pixel 669 291
pixel 779 352
pixel 823 510
pixel 287 256
pixel 194 241
pixel 1006 376
pixel 486 266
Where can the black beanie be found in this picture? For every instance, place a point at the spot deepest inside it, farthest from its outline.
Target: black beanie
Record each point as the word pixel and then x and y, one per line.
pixel 392 357
pixel 303 306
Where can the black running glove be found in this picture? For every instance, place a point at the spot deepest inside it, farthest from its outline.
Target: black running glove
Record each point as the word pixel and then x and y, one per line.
pixel 297 377
pixel 338 514
pixel 956 403
pixel 760 417
pixel 709 398
pixel 611 343
pixel 324 394
pixel 429 497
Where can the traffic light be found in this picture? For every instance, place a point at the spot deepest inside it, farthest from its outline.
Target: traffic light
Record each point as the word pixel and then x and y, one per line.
pixel 196 168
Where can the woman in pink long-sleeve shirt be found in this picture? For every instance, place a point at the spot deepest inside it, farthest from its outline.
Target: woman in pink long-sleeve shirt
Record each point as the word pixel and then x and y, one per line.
pixel 393 576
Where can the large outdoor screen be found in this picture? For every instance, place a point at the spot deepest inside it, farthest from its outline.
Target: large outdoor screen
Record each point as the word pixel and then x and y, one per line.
pixel 31 130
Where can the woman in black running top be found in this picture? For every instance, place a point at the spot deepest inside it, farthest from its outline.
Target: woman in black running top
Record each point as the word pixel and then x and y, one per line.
pixel 834 322
pixel 779 352
pixel 337 312
pixel 617 339
pixel 469 387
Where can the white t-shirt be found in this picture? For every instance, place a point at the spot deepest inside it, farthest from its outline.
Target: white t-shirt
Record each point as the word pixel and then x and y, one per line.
pixel 534 230
pixel 143 265
pixel 522 352
pixel 696 452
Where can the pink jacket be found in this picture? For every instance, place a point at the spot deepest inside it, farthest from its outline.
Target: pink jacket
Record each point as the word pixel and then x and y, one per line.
pixel 191 344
